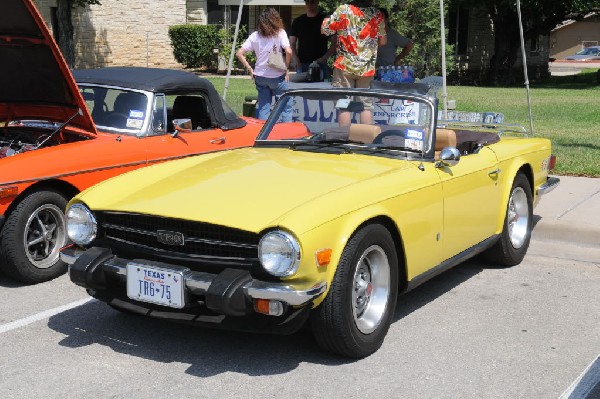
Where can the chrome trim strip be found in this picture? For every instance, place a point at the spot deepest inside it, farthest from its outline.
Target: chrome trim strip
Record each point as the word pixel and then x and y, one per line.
pixel 293 294
pixel 124 165
pixel 187 238
pixel 192 256
pixel 551 184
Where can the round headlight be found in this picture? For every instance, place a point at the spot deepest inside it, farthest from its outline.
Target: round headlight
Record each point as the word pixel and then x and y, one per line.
pixel 81 224
pixel 279 253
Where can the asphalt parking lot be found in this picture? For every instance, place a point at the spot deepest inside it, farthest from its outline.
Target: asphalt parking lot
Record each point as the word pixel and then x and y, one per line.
pixel 473 332
pixel 476 331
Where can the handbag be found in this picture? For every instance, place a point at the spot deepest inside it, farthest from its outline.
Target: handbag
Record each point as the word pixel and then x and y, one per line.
pixel 275 59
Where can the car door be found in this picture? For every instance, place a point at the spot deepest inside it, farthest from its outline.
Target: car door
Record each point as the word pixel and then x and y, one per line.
pixel 472 200
pixel 203 137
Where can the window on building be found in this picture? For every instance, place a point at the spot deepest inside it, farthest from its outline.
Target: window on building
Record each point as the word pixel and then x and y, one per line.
pixel 54 23
pixel 534 45
pixel 458 29
pixel 217 14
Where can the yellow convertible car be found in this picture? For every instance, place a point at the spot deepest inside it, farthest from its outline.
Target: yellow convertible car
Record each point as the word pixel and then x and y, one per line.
pixel 326 219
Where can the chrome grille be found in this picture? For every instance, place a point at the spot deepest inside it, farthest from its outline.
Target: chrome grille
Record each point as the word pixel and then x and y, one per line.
pixel 202 240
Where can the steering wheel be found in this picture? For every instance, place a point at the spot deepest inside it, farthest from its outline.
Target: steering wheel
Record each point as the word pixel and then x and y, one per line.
pixel 116 119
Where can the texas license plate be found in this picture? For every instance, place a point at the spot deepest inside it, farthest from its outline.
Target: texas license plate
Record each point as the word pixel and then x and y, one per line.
pixel 155 285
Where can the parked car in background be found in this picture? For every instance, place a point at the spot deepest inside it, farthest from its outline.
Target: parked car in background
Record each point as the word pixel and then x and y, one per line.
pixel 328 225
pixel 587 54
pixel 51 149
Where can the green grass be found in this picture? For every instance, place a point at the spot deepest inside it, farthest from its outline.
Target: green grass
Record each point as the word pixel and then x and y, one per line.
pixel 566 109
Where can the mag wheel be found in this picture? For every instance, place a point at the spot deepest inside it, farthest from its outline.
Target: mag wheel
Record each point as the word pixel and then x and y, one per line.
pixel 356 314
pixel 32 236
pixel 518 223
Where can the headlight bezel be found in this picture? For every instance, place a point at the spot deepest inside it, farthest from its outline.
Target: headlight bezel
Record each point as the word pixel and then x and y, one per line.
pixel 91 222
pixel 290 243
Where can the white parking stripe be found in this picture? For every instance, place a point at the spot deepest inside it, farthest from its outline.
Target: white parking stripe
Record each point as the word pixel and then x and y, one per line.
pixel 41 316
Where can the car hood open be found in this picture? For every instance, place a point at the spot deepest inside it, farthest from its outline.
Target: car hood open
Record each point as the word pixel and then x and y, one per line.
pixel 35 82
pixel 248 189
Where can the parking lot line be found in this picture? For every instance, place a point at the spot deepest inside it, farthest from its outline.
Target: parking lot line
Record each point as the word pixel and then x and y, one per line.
pixel 42 315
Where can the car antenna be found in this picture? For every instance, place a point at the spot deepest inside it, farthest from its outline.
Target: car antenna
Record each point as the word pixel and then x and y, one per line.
pixel 58 129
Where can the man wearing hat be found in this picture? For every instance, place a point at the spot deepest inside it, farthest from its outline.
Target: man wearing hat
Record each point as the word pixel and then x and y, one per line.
pixel 307 42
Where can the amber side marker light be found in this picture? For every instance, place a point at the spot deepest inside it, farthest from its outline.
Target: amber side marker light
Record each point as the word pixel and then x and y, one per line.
pixel 9 191
pixel 268 307
pixel 323 256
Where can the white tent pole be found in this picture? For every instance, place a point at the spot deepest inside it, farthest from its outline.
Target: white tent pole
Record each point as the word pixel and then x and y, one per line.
pixel 443 34
pixel 525 65
pixel 235 35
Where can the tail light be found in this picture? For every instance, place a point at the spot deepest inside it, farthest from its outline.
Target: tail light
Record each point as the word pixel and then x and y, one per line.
pixel 551 162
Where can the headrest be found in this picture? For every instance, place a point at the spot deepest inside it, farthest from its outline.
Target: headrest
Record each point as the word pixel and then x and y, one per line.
pixel 444 138
pixel 363 133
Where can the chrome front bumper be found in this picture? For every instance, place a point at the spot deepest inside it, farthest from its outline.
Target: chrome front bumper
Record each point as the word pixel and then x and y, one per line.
pixel 91 275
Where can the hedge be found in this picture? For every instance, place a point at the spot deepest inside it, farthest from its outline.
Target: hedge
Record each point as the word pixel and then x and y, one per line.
pixel 193 44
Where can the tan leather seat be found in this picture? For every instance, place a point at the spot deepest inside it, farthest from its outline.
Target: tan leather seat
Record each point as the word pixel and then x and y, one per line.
pixel 363 133
pixel 444 138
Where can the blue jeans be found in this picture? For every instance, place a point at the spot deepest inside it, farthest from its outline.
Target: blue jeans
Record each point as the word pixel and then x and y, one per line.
pixel 267 88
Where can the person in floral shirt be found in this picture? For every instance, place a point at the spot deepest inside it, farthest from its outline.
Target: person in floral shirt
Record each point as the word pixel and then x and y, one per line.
pixel 360 29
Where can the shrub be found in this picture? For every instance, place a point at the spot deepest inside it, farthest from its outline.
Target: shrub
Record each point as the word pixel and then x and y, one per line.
pixel 193 44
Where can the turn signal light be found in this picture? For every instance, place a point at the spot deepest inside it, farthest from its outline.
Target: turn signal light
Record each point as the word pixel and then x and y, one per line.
pixel 323 256
pixel 268 307
pixel 9 191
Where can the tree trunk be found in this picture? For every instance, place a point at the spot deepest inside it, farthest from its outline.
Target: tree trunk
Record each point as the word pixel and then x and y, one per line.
pixel 65 30
pixel 507 45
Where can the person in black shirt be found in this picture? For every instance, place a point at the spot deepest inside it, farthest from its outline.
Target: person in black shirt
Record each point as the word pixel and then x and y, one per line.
pixel 307 41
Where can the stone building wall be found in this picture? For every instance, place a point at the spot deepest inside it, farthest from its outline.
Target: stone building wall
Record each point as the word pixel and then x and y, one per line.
pixel 126 33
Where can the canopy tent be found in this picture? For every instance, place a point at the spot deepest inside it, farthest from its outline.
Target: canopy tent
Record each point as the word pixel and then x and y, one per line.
pixel 242 3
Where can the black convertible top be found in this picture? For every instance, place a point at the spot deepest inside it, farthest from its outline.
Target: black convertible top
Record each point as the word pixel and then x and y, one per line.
pixel 149 79
pixel 160 80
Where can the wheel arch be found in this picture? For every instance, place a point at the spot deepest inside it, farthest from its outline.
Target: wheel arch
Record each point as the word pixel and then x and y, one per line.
pixel 60 186
pixel 394 231
pixel 511 173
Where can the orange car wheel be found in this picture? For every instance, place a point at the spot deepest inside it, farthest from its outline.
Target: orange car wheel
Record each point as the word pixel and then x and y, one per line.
pixel 32 236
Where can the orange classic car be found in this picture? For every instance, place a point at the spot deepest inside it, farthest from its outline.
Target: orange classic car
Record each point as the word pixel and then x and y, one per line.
pixel 51 149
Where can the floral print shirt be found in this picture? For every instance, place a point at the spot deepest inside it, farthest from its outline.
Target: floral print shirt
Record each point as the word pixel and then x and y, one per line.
pixel 358 31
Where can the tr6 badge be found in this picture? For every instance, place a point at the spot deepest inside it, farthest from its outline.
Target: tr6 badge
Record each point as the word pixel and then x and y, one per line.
pixel 170 237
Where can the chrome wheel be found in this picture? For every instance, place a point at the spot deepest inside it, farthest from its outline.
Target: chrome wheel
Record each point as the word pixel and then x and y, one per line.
pixel 44 235
pixel 518 217
pixel 371 289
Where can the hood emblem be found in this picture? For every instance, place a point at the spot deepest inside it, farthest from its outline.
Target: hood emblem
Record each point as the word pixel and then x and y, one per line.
pixel 170 237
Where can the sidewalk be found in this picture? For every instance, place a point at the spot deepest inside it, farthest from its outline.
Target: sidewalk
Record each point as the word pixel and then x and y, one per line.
pixel 570 213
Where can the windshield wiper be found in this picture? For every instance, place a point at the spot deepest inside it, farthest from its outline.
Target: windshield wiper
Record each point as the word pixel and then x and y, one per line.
pixel 338 143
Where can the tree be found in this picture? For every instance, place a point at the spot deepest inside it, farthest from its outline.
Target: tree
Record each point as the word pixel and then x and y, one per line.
pixel 539 18
pixel 64 15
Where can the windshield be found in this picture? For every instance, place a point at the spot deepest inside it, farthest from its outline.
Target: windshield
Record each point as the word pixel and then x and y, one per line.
pixel 354 120
pixel 589 51
pixel 123 111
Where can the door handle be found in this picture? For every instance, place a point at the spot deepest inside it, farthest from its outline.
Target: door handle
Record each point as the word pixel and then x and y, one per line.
pixel 220 140
pixel 494 172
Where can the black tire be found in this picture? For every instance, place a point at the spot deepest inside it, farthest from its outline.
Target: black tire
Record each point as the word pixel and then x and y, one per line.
pixel 514 240
pixel 32 236
pixel 354 318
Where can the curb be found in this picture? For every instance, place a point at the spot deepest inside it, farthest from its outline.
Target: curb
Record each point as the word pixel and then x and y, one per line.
pixel 551 230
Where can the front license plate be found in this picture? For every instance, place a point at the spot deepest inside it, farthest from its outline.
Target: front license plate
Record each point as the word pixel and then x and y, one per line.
pixel 155 285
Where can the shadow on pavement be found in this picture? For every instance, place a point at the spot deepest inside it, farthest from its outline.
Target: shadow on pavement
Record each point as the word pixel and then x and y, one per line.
pixel 211 352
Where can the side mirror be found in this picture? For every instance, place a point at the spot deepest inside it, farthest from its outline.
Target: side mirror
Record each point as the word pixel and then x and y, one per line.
pixel 182 125
pixel 449 156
